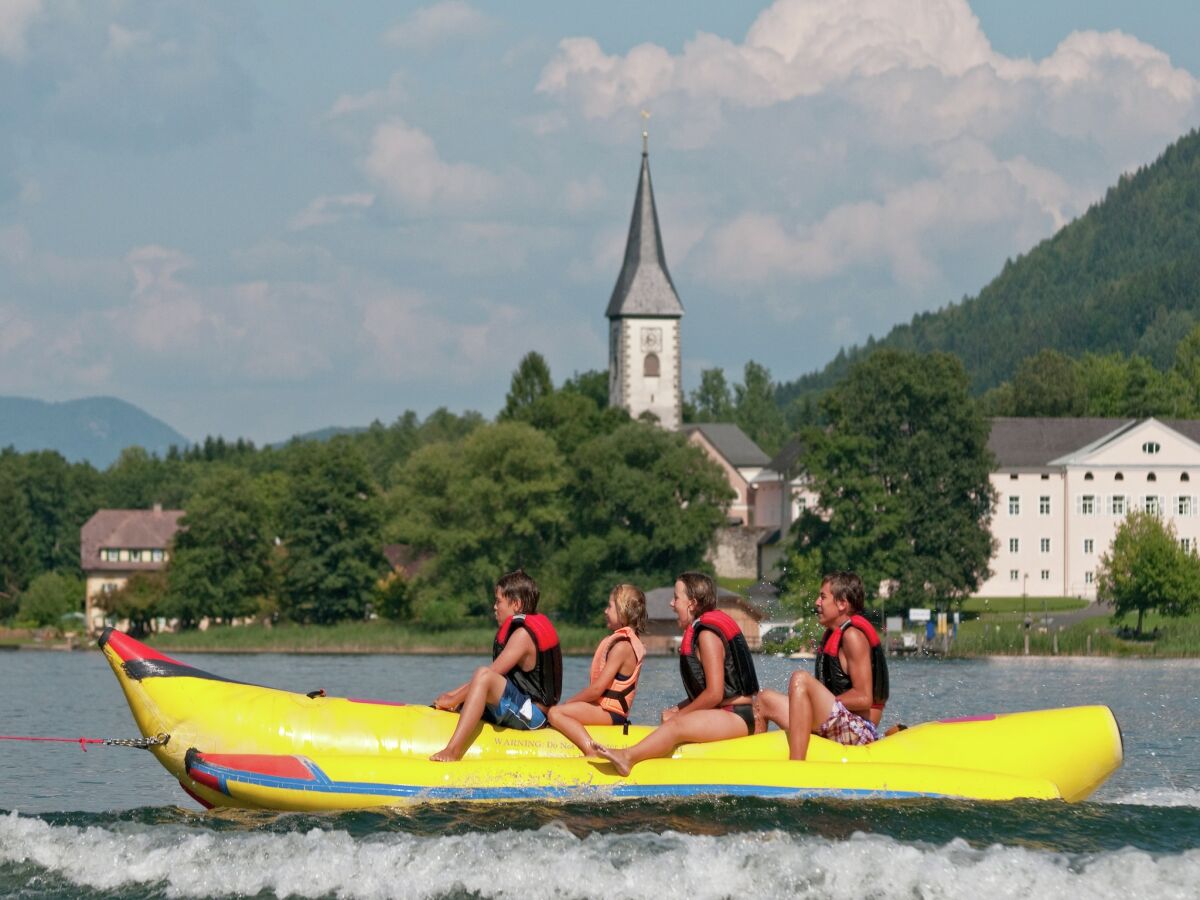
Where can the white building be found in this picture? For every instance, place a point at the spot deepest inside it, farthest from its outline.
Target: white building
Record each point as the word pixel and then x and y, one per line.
pixel 1064 485
pixel 644 312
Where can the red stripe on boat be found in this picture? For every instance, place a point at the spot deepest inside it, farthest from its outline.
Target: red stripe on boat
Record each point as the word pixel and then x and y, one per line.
pixel 209 781
pixel 258 764
pixel 187 790
pixel 985 718
pixel 129 649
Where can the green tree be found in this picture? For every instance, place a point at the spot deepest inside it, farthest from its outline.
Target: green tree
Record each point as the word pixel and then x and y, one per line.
pixel 712 401
pixel 139 601
pixel 530 382
pixel 755 409
pixel 592 384
pixel 482 507
pixel 902 477
pixel 18 545
pixel 1047 384
pixel 1146 568
pixel 49 597
pixel 646 505
pixel 331 534
pixel 221 561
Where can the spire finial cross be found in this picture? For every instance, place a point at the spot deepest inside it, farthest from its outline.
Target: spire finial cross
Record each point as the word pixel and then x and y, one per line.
pixel 645 133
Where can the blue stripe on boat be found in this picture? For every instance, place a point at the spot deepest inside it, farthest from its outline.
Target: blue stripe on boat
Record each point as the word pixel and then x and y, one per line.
pixel 325 785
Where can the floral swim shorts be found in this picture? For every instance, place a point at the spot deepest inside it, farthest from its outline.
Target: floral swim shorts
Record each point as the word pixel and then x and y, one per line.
pixel 845 727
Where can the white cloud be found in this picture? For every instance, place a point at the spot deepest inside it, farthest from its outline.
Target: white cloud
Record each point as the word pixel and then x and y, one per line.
pixel 16 17
pixel 329 209
pixel 405 163
pixel 436 24
pixel 387 99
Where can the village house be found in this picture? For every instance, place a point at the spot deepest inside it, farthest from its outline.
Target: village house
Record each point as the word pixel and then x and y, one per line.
pixel 115 544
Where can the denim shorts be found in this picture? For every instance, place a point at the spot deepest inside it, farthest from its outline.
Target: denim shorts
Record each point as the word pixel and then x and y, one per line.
pixel 515 710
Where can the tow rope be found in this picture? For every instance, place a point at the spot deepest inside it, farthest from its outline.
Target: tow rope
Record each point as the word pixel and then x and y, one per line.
pixel 142 743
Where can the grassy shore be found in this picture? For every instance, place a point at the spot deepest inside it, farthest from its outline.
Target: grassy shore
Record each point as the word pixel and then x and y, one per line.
pixel 1004 635
pixel 356 637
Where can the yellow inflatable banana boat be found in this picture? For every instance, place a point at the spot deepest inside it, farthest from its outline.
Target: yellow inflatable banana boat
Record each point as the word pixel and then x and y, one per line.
pixel 241 745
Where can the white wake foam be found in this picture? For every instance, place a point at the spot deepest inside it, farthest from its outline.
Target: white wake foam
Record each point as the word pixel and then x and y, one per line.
pixel 551 862
pixel 1161 797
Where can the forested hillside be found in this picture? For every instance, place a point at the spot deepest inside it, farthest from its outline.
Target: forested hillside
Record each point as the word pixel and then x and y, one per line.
pixel 1122 278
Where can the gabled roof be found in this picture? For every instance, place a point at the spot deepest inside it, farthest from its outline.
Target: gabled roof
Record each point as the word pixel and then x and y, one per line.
pixel 644 287
pixel 126 529
pixel 1037 442
pixel 731 442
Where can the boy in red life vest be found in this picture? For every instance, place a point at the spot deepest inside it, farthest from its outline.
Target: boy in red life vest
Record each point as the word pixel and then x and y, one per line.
pixel 616 666
pixel 844 700
pixel 525 677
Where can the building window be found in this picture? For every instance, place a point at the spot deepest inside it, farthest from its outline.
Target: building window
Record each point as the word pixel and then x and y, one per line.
pixel 1045 574
pixel 1089 577
pixel 1045 547
pixel 108 587
pixel 135 555
pixel 1151 505
pixel 1043 505
pixel 1152 477
pixel 1116 504
pixel 1014 506
pixel 1014 545
pixel 1183 506
pixel 1118 477
pixel 1087 505
pixel 1014 575
pixel 1089 546
pixel 1088 477
pixel 1013 477
pixel 1184 477
pixel 650 366
pixel 156 555
pixel 1185 544
pixel 1151 447
pixel 1045 477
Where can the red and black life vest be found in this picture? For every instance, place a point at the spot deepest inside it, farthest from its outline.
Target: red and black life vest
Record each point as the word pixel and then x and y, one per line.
pixel 829 668
pixel 544 681
pixel 740 678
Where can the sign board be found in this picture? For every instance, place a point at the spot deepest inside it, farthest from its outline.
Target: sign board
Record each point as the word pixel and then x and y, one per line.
pixel 919 615
pixel 894 623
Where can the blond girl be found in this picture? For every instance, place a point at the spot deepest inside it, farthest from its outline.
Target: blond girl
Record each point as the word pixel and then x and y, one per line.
pixel 616 666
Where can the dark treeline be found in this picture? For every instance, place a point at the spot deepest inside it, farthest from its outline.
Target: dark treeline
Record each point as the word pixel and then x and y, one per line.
pixel 576 492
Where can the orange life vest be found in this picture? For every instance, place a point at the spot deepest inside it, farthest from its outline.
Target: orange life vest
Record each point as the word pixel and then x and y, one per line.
pixel 615 700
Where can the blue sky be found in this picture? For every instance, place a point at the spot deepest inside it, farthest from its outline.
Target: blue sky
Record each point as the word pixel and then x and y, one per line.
pixel 261 218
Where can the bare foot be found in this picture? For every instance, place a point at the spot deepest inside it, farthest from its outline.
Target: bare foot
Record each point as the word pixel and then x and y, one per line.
pixel 616 757
pixel 446 755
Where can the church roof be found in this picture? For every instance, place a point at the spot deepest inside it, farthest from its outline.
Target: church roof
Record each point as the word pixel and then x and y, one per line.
pixel 644 287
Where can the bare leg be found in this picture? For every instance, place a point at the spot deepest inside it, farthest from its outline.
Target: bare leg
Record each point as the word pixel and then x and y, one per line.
pixel 569 718
pixel 773 706
pixel 486 687
pixel 690 728
pixel 809 704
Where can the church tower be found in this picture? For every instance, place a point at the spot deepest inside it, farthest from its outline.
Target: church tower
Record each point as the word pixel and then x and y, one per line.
pixel 643 315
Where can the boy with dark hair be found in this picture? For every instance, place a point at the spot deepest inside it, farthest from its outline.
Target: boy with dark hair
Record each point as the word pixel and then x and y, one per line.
pixel 525 677
pixel 843 701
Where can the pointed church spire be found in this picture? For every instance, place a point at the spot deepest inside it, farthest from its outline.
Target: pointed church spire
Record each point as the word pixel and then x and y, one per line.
pixel 644 287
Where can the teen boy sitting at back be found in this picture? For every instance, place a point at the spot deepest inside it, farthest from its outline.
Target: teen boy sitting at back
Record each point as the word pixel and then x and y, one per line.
pixel 844 700
pixel 525 677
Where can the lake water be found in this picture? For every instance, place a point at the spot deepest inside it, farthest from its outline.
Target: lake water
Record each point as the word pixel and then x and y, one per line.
pixel 112 823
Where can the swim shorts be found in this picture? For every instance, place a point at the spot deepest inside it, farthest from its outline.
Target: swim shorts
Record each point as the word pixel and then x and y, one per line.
pixel 515 710
pixel 845 727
